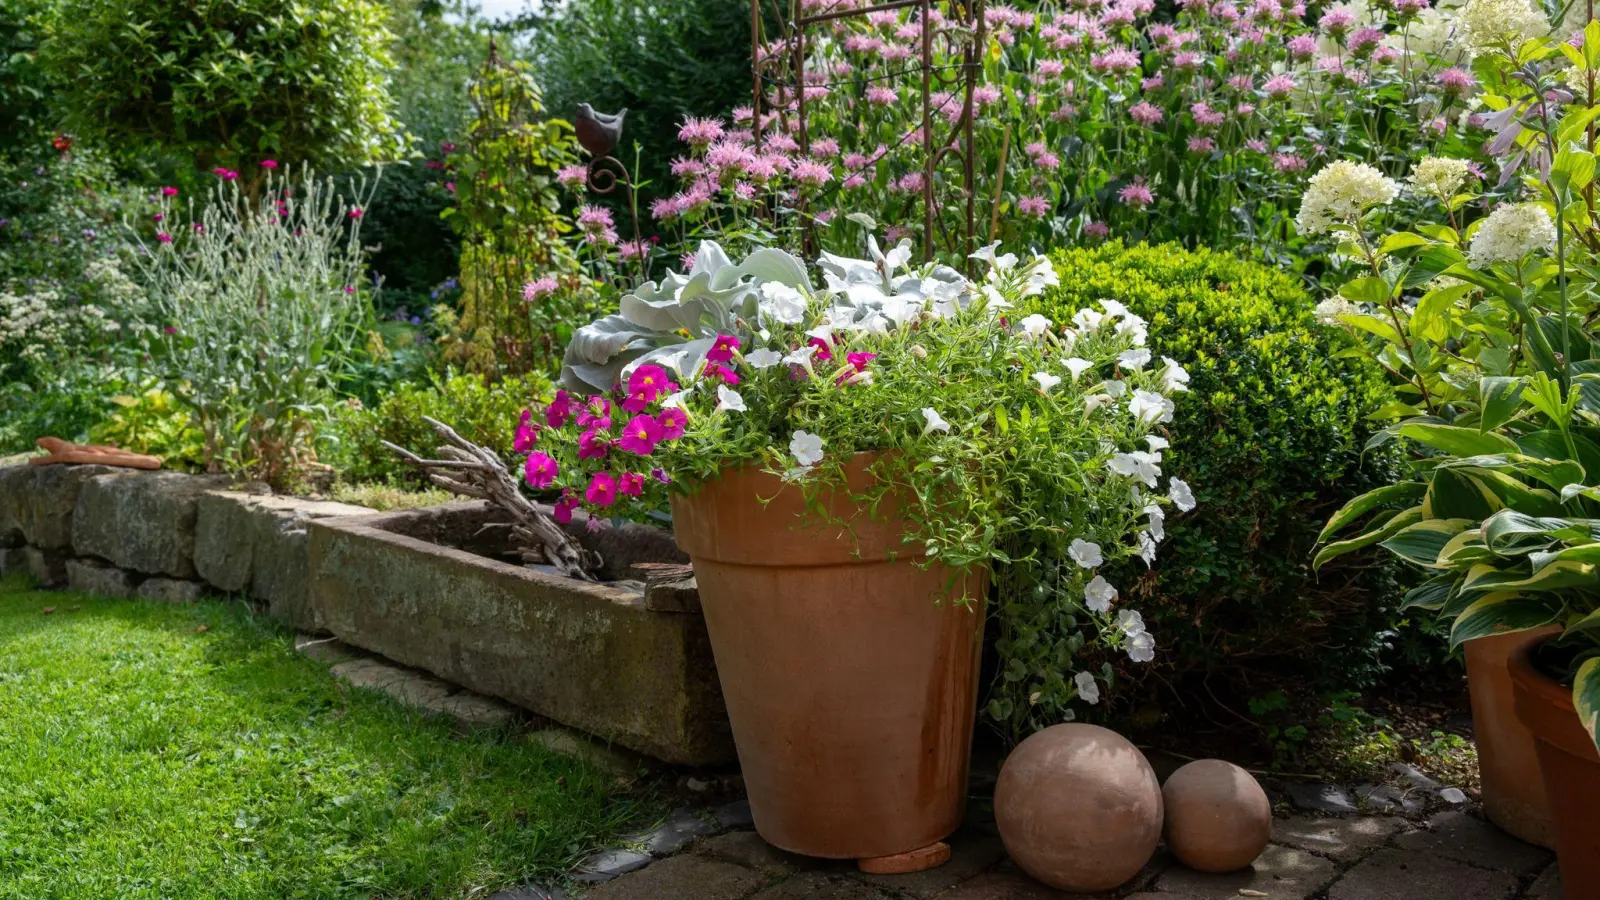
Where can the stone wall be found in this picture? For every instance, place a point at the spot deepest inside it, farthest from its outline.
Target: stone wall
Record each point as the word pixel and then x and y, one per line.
pixel 424 588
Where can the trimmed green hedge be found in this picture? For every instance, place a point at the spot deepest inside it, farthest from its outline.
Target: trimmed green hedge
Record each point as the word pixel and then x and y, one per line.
pixel 1270 436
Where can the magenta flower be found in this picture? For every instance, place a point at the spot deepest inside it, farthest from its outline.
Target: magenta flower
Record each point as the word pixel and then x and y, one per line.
pixel 661 476
pixel 595 219
pixel 164 238
pixel 225 174
pixel 559 410
pixel 1097 230
pixel 563 509
pixel 859 360
pixel 602 490
pixel 641 435
pixel 646 384
pixel 592 445
pixel 269 164
pixel 720 372
pixel 632 484
pixel 356 212
pixel 533 290
pixel 723 348
pixel 540 471
pixel 672 421
pixel 1137 194
pixel 1035 206
pixel 169 192
pixel 881 95
pixel 1145 113
pixel 527 433
pixel 1455 81
pixel 1279 86
pixel 596 413
pixel 824 351
pixel 699 132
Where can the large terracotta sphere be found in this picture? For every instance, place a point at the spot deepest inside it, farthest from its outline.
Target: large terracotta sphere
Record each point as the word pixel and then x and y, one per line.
pixel 1218 817
pixel 1078 807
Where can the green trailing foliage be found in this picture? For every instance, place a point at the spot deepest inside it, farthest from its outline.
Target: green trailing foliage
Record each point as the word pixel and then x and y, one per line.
pixel 1271 439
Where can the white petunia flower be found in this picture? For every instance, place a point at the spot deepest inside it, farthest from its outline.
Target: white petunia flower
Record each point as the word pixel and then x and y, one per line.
pixel 802 357
pixel 764 358
pixel 1042 275
pixel 1115 388
pixel 823 332
pixel 997 300
pixel 1095 401
pixel 1088 690
pixel 729 399
pixel 676 400
pixel 1114 308
pixel 782 303
pixel 1087 319
pixel 1098 595
pixel 1001 262
pixel 1157 442
pixel 806 447
pixel 1174 378
pixel 1150 407
pixel 1178 491
pixel 1046 380
pixel 1511 232
pixel 1085 553
pixel 1035 326
pixel 1130 621
pixel 1134 327
pixel 934 421
pixel 1138 465
pixel 1158 521
pixel 1141 647
pixel 1342 193
pixel 1077 366
pixel 1133 359
pixel 1147 548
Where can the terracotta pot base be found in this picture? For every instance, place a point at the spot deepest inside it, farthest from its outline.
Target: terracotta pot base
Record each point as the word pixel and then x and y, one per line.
pixel 1571 769
pixel 930 857
pixel 1508 764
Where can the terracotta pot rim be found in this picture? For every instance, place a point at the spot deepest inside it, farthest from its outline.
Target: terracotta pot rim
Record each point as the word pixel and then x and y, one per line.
pixel 1546 707
pixel 1534 681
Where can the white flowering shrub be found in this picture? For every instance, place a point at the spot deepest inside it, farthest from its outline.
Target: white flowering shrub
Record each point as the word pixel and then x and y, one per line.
pixel 1030 446
pixel 45 322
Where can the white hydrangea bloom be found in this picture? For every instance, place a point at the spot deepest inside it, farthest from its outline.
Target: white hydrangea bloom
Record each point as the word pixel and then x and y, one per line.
pixel 1511 232
pixel 1342 192
pixel 1088 690
pixel 1098 595
pixel 1085 553
pixel 1440 176
pixel 1487 25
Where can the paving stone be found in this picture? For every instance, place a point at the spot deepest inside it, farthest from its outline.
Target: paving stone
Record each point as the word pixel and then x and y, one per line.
pixel 970 854
pixel 1341 839
pixel 324 649
pixel 47 568
pixel 171 590
pixel 747 849
pixel 1414 776
pixel 472 712
pixel 91 576
pixel 403 685
pixel 819 885
pixel 734 815
pixel 1281 873
pixel 681 826
pixel 567 742
pixel 1547 886
pixel 685 877
pixel 1009 872
pixel 1386 798
pixel 1461 837
pixel 1397 875
pixel 1327 798
pixel 673 596
pixel 607 865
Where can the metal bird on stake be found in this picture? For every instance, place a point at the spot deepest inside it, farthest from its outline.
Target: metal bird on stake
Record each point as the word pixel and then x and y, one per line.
pixel 600 133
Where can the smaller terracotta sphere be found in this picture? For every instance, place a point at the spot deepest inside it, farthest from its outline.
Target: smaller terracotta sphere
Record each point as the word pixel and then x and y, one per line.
pixel 1218 817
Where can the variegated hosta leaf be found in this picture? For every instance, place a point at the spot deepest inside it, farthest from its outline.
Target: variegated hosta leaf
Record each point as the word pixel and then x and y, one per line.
pixel 1511 533
pixel 1502 612
pixel 1431 594
pixel 1557 473
pixel 1586 697
pixel 1554 576
pixel 1360 506
pixel 1381 531
pixel 1422 542
pixel 1457 441
pixel 1454 494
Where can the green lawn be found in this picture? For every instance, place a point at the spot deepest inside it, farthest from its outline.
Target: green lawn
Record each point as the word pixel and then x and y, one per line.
pixel 142 756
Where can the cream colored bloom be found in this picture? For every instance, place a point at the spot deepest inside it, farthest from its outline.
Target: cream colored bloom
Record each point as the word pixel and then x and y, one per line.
pixel 1487 25
pixel 1511 232
pixel 1440 176
pixel 1342 192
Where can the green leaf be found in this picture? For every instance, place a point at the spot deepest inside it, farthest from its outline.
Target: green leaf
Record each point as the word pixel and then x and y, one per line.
pixel 1372 325
pixel 1383 532
pixel 1370 289
pixel 1499 397
pixel 1499 613
pixel 1421 543
pixel 1586 697
pixel 1510 533
pixel 1429 319
pixel 1431 594
pixel 1401 240
pixel 1455 495
pixel 1404 492
pixel 1457 441
pixel 1433 260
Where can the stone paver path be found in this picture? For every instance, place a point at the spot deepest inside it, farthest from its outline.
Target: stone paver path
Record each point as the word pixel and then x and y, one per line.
pixel 1453 856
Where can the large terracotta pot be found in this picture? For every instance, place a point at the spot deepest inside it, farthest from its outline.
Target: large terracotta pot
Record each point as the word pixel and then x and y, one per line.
pixel 851 682
pixel 1513 791
pixel 1571 768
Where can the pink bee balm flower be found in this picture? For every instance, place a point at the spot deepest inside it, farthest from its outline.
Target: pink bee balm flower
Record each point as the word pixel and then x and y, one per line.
pixel 542 287
pixel 641 435
pixel 699 132
pixel 1279 86
pixel 527 433
pixel 559 410
pixel 1456 81
pixel 811 172
pixel 880 95
pixel 169 192
pixel 1302 47
pixel 1288 162
pixel 1137 194
pixel 632 484
pixel 591 445
pixel 595 219
pixel 1201 145
pixel 1336 22
pixel 1097 230
pixel 722 349
pixel 540 471
pixel 673 421
pixel 602 490
pixel 1145 113
pixel 269 164
pixel 572 176
pixel 1035 206
pixel 1364 41
pixel 1154 83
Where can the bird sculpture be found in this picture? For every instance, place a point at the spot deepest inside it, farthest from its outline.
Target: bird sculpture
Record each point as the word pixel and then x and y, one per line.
pixel 598 132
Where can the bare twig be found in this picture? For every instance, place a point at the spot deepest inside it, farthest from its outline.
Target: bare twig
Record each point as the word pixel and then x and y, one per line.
pixel 473 471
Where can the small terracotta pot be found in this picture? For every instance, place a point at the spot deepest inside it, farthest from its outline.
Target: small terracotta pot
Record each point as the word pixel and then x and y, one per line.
pixel 1513 790
pixel 1571 768
pixel 850 679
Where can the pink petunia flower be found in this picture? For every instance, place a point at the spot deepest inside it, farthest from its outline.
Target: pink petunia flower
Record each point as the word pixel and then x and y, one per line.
pixel 562 512
pixel 673 421
pixel 593 445
pixel 602 490
pixel 632 484
pixel 540 471
pixel 559 410
pixel 527 433
pixel 641 435
pixel 723 348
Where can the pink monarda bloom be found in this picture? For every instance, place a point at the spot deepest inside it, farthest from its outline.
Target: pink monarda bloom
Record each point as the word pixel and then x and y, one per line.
pixel 602 490
pixel 1205 116
pixel 666 209
pixel 825 148
pixel 1097 230
pixel 1201 145
pixel 853 182
pixel 1336 22
pixel 879 95
pixel 1288 162
pixel 594 219
pixel 1064 113
pixel 811 173
pixel 1437 126
pixel 1410 7
pixel 1154 83
pixel 1047 160
pixel 986 95
pixel 1241 83
pixel 1145 113
pixel 631 250
pixel 1137 194
pixel 1244 110
pixel 699 132
pixel 1455 81
pixel 1256 144
pixel 1364 41
pixel 1037 207
pixel 540 471
pixel 728 157
pixel 1279 86
pixel 1051 68
pixel 1302 47
pixel 537 288
pixel 1186 60
pixel 684 167
pixel 572 176
pixel 1120 61
pixel 909 183
pixel 744 114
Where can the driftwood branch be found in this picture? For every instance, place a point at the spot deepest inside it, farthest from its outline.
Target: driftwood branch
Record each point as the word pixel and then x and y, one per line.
pixel 473 471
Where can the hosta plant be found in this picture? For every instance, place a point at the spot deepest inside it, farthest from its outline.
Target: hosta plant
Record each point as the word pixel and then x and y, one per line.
pixel 1489 330
pixel 1029 446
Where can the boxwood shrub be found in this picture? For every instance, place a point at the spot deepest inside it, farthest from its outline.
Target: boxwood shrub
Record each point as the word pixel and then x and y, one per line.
pixel 1271 438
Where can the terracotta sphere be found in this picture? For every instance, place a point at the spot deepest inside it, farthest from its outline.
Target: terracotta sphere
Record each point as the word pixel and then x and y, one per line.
pixel 1078 807
pixel 1218 817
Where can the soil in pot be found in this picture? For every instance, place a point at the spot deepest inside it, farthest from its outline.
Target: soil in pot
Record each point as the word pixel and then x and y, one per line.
pixel 1570 766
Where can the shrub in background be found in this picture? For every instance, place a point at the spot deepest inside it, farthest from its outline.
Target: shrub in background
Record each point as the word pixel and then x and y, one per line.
pixel 481 410
pixel 1271 439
